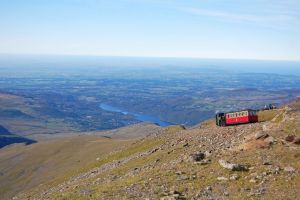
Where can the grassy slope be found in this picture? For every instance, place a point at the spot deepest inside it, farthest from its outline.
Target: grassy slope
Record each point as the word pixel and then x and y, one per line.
pixel 23 167
pixel 142 172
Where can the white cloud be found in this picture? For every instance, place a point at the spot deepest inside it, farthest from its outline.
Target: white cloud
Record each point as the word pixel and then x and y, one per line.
pixel 234 17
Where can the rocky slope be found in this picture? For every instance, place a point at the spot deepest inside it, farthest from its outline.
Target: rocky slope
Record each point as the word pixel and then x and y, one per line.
pixel 56 156
pixel 252 161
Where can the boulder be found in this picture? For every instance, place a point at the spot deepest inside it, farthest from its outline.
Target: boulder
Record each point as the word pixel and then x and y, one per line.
pixel 222 178
pixel 182 178
pixel 267 163
pixel 186 145
pixel 172 195
pixel 208 153
pixel 289 169
pixel 260 135
pixel 265 127
pixel 296 140
pixel 290 138
pixel 234 177
pixel 270 140
pixel 197 156
pixel 231 166
pixel 203 162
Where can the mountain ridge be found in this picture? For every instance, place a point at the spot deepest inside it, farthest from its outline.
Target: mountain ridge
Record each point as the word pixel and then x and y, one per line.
pixel 195 163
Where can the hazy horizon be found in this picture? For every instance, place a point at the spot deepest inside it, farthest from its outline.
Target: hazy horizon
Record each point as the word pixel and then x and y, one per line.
pixel 54 62
pixel 138 57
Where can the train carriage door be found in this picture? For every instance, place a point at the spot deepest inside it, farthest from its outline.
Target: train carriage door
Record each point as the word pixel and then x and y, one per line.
pixel 220 119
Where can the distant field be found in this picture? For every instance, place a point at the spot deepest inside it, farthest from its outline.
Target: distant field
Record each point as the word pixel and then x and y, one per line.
pixel 43 101
pixel 19 115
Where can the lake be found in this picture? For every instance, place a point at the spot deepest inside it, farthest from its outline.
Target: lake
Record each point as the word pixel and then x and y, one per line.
pixel 137 116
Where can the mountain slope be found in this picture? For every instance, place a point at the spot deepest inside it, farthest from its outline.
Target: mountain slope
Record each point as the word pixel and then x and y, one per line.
pixel 206 162
pixel 24 167
pixel 57 156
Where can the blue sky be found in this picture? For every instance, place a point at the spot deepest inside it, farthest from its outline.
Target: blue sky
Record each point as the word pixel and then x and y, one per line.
pixel 256 29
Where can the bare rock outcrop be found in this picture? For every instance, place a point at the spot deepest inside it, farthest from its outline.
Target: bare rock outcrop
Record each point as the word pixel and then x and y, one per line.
pixel 233 167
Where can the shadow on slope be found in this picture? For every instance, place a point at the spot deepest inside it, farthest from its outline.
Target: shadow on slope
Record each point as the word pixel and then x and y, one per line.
pixel 4 131
pixel 7 138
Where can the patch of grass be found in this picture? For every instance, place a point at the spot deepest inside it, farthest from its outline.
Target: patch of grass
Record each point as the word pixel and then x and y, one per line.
pixel 267 115
pixel 3 190
pixel 73 196
pixel 290 128
pixel 174 128
pixel 132 149
pixel 279 118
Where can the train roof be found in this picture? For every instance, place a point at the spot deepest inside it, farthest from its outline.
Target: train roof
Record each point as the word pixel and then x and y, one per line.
pixel 236 111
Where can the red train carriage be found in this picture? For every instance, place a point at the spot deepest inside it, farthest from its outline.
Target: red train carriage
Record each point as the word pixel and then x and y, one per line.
pixel 239 117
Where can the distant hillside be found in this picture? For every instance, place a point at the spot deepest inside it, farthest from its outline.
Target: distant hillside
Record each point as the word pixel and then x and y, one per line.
pixel 13 113
pixel 251 161
pixel 21 116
